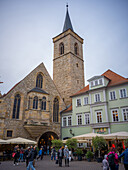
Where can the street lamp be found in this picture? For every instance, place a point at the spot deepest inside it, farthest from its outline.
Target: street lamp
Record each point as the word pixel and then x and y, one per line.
pixel 71 132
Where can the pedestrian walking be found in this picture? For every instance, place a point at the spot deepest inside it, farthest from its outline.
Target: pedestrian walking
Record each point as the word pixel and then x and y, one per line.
pixel 125 155
pixel 16 154
pixel 105 163
pixel 66 155
pixel 53 154
pixel 40 154
pixel 35 154
pixel 30 159
pixel 112 158
pixel 60 156
pixel 26 155
pixel 21 155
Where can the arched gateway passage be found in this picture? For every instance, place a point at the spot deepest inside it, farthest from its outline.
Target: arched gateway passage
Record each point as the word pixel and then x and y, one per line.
pixel 45 140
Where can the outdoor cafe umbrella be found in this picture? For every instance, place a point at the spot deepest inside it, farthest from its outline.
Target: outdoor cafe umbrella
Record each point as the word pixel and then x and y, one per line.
pixel 87 136
pixel 78 141
pixel 117 135
pixel 20 140
pixel 2 141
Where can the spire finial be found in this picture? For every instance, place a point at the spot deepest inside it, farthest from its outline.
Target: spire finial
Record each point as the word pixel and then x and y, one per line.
pixel 67 5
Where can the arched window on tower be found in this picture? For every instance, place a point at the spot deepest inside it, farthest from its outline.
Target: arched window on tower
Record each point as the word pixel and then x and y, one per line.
pixel 16 107
pixel 35 102
pixel 76 48
pixel 61 48
pixel 43 104
pixel 56 110
pixel 39 81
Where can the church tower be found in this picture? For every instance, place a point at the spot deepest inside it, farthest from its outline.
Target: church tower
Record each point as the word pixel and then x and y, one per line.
pixel 68 63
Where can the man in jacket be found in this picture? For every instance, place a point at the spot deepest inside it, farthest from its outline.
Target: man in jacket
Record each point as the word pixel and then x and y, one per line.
pixel 66 155
pixel 125 154
pixel 60 156
pixel 31 156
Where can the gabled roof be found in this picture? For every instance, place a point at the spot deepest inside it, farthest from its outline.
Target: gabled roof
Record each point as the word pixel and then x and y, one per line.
pixel 114 79
pixel 94 78
pixel 37 89
pixel 67 23
pixel 85 89
pixel 68 109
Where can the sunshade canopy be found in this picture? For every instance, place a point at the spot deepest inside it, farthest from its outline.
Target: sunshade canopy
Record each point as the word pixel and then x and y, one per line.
pixel 117 135
pixel 87 136
pixel 2 141
pixel 20 140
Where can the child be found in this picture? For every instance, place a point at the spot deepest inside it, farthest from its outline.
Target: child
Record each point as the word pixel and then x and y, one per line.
pixel 105 163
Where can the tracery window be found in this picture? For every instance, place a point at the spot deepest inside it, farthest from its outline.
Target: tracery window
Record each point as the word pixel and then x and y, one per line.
pixel 61 48
pixel 56 110
pixel 76 48
pixel 39 81
pixel 43 104
pixel 35 102
pixel 16 107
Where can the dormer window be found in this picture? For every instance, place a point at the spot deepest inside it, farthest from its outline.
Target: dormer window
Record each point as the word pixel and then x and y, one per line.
pixel 92 84
pixel 100 81
pixel 61 48
pixel 96 82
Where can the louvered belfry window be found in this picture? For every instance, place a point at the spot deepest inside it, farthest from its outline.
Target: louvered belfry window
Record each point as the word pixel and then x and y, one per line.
pixel 56 110
pixel 61 48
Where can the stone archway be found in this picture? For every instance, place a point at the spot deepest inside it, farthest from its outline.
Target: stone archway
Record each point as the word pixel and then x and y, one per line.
pixel 45 140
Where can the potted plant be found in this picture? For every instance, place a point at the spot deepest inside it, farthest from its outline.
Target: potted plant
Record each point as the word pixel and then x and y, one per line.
pixel 89 156
pixel 79 153
pixel 99 143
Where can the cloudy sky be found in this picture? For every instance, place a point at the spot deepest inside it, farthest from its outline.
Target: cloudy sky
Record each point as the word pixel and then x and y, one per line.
pixel 28 26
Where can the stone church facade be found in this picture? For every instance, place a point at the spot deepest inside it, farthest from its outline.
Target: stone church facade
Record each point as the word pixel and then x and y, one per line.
pixel 31 109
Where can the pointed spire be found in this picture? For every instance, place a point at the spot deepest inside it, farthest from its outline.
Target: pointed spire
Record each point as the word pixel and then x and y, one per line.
pixel 67 23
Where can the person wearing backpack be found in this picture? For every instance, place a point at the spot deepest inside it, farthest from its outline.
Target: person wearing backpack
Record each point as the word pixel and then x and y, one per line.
pixel 112 159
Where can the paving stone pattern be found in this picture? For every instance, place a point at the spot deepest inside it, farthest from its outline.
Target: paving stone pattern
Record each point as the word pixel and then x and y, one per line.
pixel 47 164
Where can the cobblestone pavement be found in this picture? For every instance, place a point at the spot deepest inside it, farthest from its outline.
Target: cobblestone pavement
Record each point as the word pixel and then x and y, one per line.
pixel 47 164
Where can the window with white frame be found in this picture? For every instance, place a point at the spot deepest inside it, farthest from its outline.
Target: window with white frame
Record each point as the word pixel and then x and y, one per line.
pixel 100 81
pixel 112 95
pixel 96 82
pixel 85 100
pixel 125 113
pixel 99 117
pixel 97 97
pixel 64 121
pixel 87 118
pixel 92 83
pixel 79 119
pixel 69 120
pixel 78 102
pixel 123 93
pixel 115 116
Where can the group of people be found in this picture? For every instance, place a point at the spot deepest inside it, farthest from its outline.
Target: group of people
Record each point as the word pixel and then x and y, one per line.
pixel 29 155
pixel 111 160
pixel 58 156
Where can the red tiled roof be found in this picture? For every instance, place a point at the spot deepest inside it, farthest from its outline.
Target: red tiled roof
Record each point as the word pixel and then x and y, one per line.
pixel 114 78
pixel 68 109
pixel 85 89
